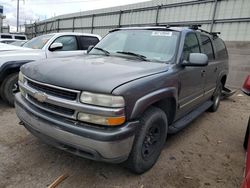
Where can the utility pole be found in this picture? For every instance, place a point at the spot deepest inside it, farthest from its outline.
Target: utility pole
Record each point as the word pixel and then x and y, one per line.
pixel 17 21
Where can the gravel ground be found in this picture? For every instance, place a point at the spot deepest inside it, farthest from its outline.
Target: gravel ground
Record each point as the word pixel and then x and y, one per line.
pixel 208 153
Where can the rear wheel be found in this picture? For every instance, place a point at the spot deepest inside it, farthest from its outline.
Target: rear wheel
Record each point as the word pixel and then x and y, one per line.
pixel 216 98
pixel 9 88
pixel 149 141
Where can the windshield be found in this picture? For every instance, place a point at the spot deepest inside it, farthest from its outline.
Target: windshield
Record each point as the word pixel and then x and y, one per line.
pixel 153 45
pixel 38 42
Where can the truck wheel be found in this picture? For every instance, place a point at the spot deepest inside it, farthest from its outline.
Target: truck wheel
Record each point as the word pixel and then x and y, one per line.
pixel 149 140
pixel 216 98
pixel 9 87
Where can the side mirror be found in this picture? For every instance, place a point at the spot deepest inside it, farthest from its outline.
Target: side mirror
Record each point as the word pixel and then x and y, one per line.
pixel 196 59
pixel 56 46
pixel 90 48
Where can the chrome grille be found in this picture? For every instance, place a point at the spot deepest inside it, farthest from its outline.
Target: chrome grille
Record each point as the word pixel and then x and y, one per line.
pixel 53 91
pixel 51 107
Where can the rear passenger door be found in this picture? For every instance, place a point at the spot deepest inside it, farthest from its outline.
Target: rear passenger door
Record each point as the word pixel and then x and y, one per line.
pixel 212 69
pixel 70 47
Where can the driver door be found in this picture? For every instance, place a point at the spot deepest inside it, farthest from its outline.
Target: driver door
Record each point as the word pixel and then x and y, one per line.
pixel 191 79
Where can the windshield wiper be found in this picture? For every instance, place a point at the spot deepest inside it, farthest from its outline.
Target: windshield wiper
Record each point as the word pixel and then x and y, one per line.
pixel 101 49
pixel 142 57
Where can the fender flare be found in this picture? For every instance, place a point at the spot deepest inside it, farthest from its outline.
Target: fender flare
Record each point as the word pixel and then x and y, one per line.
pixel 144 102
pixel 222 73
pixel 11 65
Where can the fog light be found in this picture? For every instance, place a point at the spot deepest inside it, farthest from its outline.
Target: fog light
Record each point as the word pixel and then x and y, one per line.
pixel 101 120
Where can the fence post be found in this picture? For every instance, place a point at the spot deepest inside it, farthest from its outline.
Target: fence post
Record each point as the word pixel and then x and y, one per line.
pixel 58 25
pixel 214 13
pixel 92 23
pixel 73 24
pixel 157 14
pixel 120 19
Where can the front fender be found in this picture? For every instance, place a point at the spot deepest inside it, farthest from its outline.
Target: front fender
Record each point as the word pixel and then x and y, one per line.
pixel 144 102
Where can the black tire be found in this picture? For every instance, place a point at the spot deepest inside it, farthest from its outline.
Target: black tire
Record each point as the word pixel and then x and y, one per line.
pixel 9 87
pixel 149 141
pixel 216 98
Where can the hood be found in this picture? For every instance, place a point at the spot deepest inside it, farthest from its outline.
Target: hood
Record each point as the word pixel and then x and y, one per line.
pixel 91 73
pixel 7 47
pixel 21 55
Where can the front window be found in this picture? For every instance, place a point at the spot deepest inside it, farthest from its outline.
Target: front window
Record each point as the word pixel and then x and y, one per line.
pixel 38 42
pixel 154 45
pixel 69 43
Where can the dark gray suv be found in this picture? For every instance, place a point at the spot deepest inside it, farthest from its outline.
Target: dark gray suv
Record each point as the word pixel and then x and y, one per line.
pixel 119 102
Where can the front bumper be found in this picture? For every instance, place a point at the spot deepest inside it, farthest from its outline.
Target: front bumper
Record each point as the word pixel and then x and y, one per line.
pixel 102 144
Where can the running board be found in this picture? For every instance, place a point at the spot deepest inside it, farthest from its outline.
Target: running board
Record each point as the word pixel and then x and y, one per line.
pixel 183 122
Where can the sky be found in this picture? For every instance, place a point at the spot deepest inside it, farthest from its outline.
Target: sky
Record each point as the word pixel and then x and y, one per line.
pixel 34 10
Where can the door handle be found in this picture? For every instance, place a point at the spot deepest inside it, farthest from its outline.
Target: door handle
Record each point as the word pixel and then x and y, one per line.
pixel 216 68
pixel 203 73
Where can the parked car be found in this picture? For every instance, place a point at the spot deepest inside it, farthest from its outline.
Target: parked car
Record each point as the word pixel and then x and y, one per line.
pixel 119 102
pixel 41 47
pixel 19 42
pixel 7 47
pixel 7 41
pixel 13 36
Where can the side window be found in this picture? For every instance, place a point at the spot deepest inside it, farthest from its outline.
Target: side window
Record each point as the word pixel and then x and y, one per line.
pixel 69 43
pixel 20 37
pixel 87 41
pixel 207 47
pixel 191 45
pixel 220 48
pixel 6 36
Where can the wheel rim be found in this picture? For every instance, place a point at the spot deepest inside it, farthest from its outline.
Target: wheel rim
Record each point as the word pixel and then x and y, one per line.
pixel 151 141
pixel 15 88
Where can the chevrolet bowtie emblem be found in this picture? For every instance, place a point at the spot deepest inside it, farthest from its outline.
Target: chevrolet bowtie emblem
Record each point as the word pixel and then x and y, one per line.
pixel 41 97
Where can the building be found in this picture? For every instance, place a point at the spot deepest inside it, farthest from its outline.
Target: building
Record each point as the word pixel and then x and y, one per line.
pixel 3 29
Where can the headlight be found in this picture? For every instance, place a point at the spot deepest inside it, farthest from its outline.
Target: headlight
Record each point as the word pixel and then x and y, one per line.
pixel 101 120
pixel 21 77
pixel 102 100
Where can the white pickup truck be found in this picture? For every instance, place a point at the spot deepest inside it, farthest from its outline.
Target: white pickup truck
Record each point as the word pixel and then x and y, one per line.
pixel 42 47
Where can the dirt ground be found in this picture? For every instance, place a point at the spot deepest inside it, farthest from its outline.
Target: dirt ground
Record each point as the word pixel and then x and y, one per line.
pixel 208 153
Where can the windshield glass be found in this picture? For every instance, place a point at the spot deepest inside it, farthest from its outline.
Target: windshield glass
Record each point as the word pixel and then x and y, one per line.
pixel 38 42
pixel 154 45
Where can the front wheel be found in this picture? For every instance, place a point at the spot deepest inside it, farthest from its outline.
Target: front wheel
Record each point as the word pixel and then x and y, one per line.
pixel 9 88
pixel 149 141
pixel 216 98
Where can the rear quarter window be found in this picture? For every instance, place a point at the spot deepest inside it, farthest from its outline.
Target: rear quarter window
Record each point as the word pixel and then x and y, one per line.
pixel 20 37
pixel 6 36
pixel 220 48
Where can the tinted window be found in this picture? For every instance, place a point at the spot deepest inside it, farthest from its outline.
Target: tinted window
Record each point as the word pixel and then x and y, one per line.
pixel 69 43
pixel 191 45
pixel 20 37
pixel 87 41
pixel 220 48
pixel 207 46
pixel 6 36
